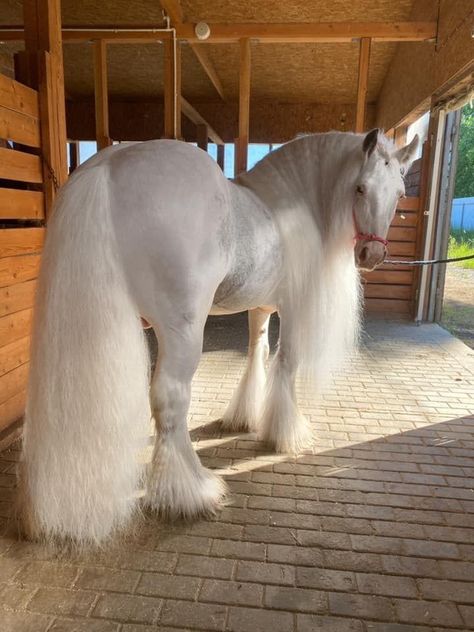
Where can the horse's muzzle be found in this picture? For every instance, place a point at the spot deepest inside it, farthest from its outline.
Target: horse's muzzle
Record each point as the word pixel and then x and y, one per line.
pixel 369 254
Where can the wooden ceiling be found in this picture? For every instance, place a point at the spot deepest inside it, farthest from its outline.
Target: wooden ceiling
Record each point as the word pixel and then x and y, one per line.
pixel 304 73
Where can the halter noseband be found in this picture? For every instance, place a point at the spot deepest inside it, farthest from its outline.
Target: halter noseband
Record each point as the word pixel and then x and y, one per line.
pixel 366 236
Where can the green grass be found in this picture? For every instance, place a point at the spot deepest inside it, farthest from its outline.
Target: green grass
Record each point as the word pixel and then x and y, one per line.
pixel 461 244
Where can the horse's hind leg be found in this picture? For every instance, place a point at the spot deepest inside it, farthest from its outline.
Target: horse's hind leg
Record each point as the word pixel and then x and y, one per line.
pixel 178 485
pixel 245 407
pixel 282 425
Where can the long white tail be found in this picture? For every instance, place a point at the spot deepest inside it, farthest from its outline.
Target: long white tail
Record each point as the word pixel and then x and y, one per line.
pixel 88 408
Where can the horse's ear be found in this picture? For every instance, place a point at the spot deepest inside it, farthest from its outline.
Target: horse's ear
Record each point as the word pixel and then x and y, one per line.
pixel 370 141
pixel 406 155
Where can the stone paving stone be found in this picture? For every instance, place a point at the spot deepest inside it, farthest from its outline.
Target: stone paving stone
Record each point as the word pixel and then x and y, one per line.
pixel 168 586
pixel 62 602
pixel 132 608
pixel 311 623
pixel 23 621
pixel 201 566
pixel 233 593
pixel 295 599
pixel 250 620
pixel 193 615
pixel 48 574
pixel 84 625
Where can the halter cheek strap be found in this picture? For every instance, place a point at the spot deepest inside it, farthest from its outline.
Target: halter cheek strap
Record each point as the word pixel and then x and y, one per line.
pixel 366 236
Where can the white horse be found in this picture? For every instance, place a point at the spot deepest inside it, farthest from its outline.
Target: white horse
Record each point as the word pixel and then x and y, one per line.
pixel 155 230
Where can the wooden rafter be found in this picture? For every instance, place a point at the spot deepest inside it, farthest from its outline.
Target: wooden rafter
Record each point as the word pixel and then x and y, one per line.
pixel 193 115
pixel 201 53
pixel 175 13
pixel 364 61
pixel 172 90
pixel 101 95
pixel 173 10
pixel 266 33
pixel 244 106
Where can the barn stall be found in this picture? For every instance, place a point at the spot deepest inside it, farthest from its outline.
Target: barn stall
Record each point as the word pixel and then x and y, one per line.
pixel 121 71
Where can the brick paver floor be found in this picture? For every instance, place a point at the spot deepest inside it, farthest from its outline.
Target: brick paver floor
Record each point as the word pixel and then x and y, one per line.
pixel 370 531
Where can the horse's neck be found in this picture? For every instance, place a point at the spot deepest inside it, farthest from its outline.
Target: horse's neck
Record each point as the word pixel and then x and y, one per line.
pixel 312 174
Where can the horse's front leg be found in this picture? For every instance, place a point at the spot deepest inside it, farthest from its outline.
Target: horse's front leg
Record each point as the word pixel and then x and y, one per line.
pixel 283 426
pixel 245 408
pixel 178 485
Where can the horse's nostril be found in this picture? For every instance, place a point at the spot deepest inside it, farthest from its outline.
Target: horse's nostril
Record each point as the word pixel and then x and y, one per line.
pixel 363 255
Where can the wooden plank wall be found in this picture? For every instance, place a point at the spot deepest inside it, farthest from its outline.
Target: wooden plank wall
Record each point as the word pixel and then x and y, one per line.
pixel 21 238
pixel 391 290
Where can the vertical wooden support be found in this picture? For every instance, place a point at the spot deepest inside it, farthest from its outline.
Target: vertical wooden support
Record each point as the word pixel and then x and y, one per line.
pixel 202 135
pixel 172 89
pixel 244 107
pixel 74 156
pixel 102 134
pixel 364 60
pixel 400 135
pixel 221 156
pixel 41 67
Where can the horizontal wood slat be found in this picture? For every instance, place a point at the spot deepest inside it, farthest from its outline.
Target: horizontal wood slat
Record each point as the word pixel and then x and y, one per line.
pixel 19 128
pixel 401 248
pixel 389 306
pixel 14 354
pixel 21 241
pixel 15 96
pixel 13 382
pixel 405 218
pixel 18 269
pixel 17 165
pixel 384 290
pixel 15 326
pixel 18 204
pixel 408 204
pixel 18 297
pixel 389 276
pixel 12 409
pixel 398 233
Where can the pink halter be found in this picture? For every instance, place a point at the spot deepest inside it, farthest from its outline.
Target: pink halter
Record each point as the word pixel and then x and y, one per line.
pixel 366 236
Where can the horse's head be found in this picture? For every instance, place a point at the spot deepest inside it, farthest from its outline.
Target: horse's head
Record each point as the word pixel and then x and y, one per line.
pixel 378 188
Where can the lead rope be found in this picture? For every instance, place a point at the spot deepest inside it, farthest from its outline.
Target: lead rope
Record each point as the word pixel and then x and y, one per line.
pixel 426 262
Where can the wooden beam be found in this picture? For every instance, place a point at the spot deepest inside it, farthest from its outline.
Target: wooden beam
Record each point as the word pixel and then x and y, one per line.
pixel 172 90
pixel 221 156
pixel 315 32
pixel 208 66
pixel 173 9
pixel 244 106
pixel 193 115
pixel 44 72
pixel 74 156
pixel 265 33
pixel 102 134
pixel 364 61
pixel 201 136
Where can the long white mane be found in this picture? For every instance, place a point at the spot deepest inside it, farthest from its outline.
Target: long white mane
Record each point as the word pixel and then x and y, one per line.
pixel 309 185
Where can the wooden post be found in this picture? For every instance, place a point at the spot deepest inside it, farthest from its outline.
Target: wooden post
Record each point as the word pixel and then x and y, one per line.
pixel 41 67
pixel 221 156
pixel 102 134
pixel 74 156
pixel 172 89
pixel 244 106
pixel 202 136
pixel 400 135
pixel 364 60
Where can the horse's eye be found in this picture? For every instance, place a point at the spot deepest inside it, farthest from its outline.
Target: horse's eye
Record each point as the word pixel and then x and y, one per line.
pixel 360 189
pixel 386 163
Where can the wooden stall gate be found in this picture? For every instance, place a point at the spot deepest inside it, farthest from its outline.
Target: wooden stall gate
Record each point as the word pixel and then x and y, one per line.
pixel 391 290
pixel 22 213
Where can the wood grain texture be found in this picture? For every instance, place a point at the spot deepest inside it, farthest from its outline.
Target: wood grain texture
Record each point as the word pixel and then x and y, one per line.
pixel 18 297
pixel 17 165
pixel 12 409
pixel 13 382
pixel 18 269
pixel 19 128
pixel 15 326
pixel 21 241
pixel 17 97
pixel 18 204
pixel 14 355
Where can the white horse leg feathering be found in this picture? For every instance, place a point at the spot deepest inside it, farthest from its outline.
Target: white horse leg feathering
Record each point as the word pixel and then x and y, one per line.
pixel 245 408
pixel 155 230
